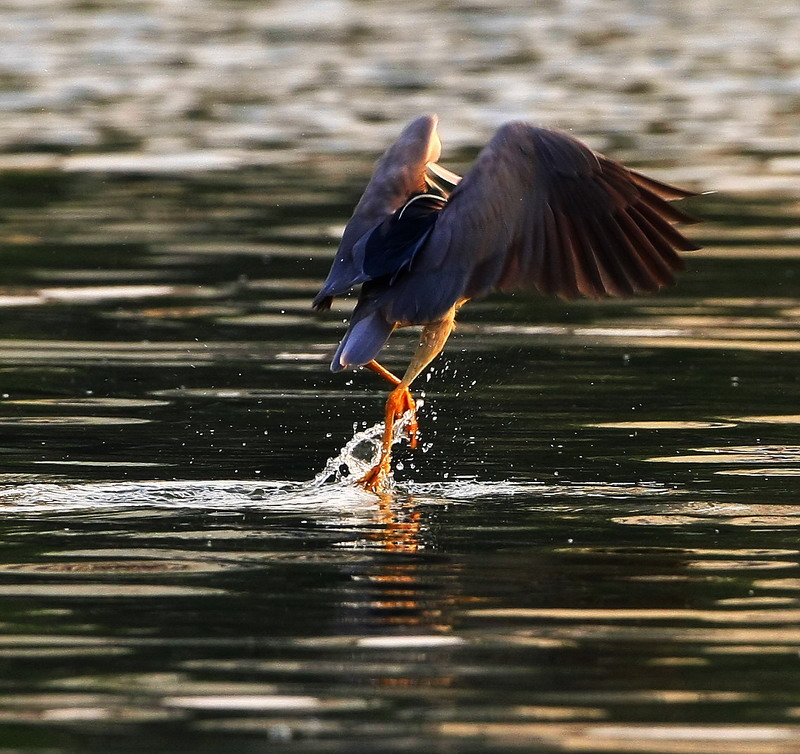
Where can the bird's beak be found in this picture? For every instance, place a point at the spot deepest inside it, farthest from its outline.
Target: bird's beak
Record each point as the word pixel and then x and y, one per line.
pixel 441 178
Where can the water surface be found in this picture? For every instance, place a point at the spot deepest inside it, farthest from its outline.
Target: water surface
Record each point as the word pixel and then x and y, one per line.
pixel 594 549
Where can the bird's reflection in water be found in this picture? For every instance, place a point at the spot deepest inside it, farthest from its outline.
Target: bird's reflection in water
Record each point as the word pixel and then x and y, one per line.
pixel 401 594
pixel 402 525
pixel 408 610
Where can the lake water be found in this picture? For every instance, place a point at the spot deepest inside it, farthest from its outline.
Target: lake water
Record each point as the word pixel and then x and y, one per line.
pixel 594 549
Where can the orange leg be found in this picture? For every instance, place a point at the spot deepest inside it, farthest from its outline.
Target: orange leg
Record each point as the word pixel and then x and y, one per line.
pixel 410 404
pixel 382 371
pixel 434 336
pixel 398 402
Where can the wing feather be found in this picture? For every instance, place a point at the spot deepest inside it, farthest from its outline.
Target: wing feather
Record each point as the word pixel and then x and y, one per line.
pixel 660 268
pixel 662 225
pixel 549 278
pixel 592 280
pixel 647 277
pixel 659 188
pixel 541 210
pixel 575 280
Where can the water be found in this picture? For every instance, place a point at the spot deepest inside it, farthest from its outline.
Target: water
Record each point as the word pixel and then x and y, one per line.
pixel 593 549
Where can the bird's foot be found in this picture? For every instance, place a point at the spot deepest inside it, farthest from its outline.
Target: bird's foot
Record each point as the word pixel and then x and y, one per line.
pixel 399 403
pixel 376 480
pixel 408 404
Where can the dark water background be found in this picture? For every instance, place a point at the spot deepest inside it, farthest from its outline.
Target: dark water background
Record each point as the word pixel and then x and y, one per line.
pixel 595 548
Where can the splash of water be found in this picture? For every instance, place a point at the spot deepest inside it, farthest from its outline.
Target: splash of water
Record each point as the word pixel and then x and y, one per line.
pixel 360 454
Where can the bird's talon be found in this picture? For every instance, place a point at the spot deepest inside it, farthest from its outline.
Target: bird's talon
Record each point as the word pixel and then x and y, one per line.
pixel 376 479
pixel 413 432
pixel 412 426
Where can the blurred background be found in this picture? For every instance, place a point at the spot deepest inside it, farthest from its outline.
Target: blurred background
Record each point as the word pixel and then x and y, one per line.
pixel 711 84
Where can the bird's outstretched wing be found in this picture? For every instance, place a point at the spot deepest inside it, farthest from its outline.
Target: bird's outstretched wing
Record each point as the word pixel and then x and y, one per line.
pixel 541 210
pixel 399 173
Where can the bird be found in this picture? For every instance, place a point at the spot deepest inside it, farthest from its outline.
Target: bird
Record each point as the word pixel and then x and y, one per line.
pixel 538 211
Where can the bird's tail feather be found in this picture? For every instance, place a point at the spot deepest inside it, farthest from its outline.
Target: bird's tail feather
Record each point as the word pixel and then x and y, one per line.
pixel 363 340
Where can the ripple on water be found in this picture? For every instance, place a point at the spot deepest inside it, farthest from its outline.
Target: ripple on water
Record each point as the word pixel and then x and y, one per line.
pixel 663 425
pixel 342 497
pixel 675 738
pixel 769 419
pixel 756 515
pixel 736 454
pixel 105 591
pixel 267 702
pixel 70 421
pixel 89 402
pixel 217 494
pixel 65 708
pixel 763 473
pixel 117 567
pixel 248 394
pixel 102 464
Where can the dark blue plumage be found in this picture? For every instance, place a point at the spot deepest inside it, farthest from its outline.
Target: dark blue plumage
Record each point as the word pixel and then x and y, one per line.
pixel 388 257
pixel 392 246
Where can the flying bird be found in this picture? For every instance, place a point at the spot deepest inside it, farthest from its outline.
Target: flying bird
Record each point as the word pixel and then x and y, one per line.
pixel 538 210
